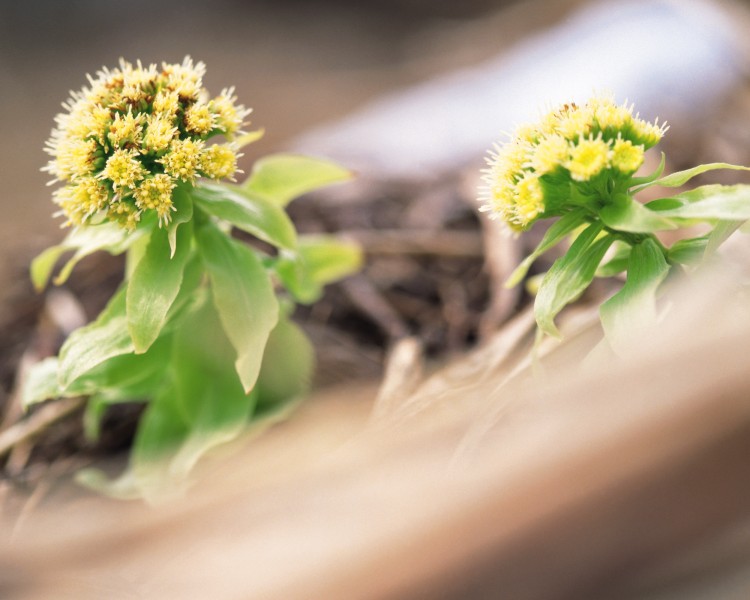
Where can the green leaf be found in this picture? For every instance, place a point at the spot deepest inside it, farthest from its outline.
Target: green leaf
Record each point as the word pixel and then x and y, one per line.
pixel 680 177
pixel 95 343
pixel 254 214
pixel 41 383
pixel 244 297
pixel 626 214
pixel 569 276
pixel 319 260
pixel 249 138
pixel 211 398
pixel 126 378
pixel 722 202
pixel 287 368
pixel 630 312
pixel 618 263
pixel 688 251
pixel 85 241
pixel 639 183
pixel 184 204
pixel 283 177
pixel 554 235
pixel 154 285
pixel 161 431
pixel 720 234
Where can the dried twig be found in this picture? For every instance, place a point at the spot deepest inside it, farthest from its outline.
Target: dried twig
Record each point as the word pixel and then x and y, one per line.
pixel 37 422
pixel 399 242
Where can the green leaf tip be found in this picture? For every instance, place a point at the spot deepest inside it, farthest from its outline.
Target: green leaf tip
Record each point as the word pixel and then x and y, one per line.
pixel 283 177
pixel 244 298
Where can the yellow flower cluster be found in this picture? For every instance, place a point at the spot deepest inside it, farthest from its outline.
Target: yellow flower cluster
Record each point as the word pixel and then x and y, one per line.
pixel 579 145
pixel 126 141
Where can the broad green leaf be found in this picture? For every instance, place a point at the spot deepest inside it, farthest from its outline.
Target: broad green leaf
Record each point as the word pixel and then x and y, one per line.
pixel 720 234
pixel 85 241
pixel 183 204
pixel 661 204
pixel 41 383
pixel 681 177
pixel 92 238
pixel 569 276
pixel 161 432
pixel 617 263
pixel 127 377
pixel 95 343
pixel 319 260
pixel 284 177
pixel 631 311
pixel 689 251
pixel 243 295
pixel 254 214
pixel 721 202
pixel 626 214
pixel 287 368
pixel 154 285
pixel 554 235
pixel 639 183
pixel 211 398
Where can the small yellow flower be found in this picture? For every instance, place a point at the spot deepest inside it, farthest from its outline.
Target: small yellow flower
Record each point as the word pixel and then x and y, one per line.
pixel 82 200
pixel 123 169
pixel 125 129
pixel 97 120
pixel 185 79
pixel 527 133
pixel 219 162
pixel 230 117
pixel 575 123
pixel 75 158
pixel 166 103
pixel 137 81
pixel 529 202
pixel 626 157
pixel 183 159
pixel 155 193
pixel 199 119
pixel 507 162
pixel 124 213
pixel 648 134
pixel 498 201
pixel 612 117
pixel 550 154
pixel 159 133
pixel 588 158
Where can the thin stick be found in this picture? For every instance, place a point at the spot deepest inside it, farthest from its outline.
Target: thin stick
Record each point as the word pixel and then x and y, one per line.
pixel 37 423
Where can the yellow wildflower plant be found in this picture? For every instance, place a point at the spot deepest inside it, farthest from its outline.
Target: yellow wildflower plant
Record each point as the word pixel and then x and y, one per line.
pixel 199 329
pixel 579 163
pixel 583 146
pixel 138 132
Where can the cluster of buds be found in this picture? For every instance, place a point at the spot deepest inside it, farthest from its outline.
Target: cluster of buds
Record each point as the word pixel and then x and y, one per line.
pixel 573 152
pixel 129 139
